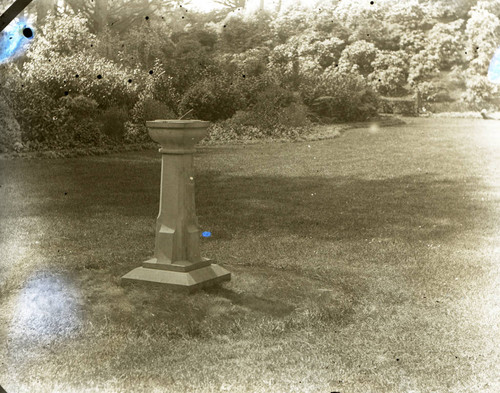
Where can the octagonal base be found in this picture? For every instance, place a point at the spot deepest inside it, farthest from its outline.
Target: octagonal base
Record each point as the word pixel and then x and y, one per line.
pixel 184 281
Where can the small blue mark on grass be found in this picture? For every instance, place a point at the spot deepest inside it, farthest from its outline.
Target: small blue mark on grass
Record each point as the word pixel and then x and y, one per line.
pixel 494 68
pixel 206 234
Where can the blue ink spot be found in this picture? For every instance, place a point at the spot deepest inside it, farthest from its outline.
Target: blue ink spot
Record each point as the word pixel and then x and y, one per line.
pixel 14 40
pixel 494 69
pixel 206 234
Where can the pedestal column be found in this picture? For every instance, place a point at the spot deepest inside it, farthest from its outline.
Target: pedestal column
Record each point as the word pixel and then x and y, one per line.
pixel 177 261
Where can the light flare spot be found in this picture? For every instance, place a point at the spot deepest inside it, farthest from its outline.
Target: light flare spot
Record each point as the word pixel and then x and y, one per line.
pixel 14 40
pixel 494 68
pixel 47 308
pixel 374 128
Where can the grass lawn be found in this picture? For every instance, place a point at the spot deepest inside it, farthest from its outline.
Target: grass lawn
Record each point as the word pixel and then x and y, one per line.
pixel 365 263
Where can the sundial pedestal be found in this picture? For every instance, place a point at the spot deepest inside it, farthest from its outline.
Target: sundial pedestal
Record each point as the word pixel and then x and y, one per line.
pixel 177 262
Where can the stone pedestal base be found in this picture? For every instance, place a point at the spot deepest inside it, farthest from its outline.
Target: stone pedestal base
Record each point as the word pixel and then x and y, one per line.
pixel 177 262
pixel 177 279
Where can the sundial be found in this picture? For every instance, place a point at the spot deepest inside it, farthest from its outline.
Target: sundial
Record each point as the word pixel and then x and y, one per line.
pixel 177 262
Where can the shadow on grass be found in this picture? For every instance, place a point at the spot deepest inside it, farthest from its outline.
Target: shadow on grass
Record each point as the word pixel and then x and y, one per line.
pixel 263 305
pixel 416 207
pixel 80 188
pixel 95 209
pixel 336 208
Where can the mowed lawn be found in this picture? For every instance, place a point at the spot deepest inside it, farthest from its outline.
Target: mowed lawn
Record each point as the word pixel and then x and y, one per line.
pixel 364 263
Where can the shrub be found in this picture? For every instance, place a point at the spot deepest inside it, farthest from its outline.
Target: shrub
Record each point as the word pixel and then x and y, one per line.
pixel 224 131
pixel 423 65
pixel 113 122
pixel 401 105
pixel 135 131
pixel 144 44
pixel 454 106
pixel 65 59
pixel 390 72
pixel 275 109
pixel 244 31
pixel 78 116
pixel 291 22
pixel 62 123
pixel 338 96
pixel 61 36
pixel 99 79
pixel 10 132
pixel 483 34
pixel 230 130
pixel 433 92
pixel 327 51
pixel 446 40
pixel 65 83
pixel 154 110
pixel 360 53
pixel 214 97
pixel 251 88
pixel 251 63
pixel 273 120
pixel 275 113
pixel 10 135
pixel 480 93
pixel 36 113
pixel 309 52
pixel 158 100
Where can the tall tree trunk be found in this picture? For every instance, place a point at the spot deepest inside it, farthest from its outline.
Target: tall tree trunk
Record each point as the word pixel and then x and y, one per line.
pixel 42 9
pixel 261 6
pixel 278 8
pixel 100 15
pixel 295 71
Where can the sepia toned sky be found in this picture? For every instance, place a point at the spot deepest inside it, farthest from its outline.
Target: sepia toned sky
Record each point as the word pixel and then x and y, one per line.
pixel 208 5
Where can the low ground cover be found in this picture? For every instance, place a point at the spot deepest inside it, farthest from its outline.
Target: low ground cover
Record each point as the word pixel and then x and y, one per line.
pixel 218 135
pixel 365 263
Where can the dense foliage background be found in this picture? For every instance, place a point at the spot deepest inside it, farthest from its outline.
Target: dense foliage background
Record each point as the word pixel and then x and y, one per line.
pixel 95 71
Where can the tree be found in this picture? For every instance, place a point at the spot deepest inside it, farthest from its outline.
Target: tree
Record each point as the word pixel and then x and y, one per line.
pixel 43 7
pixel 241 32
pixel 361 54
pixel 232 4
pixel 483 37
pixel 446 40
pixel 120 15
pixel 390 72
pixel 100 15
pixel 293 21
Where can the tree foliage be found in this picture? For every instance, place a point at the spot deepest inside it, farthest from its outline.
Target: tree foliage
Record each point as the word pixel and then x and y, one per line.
pixel 115 64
